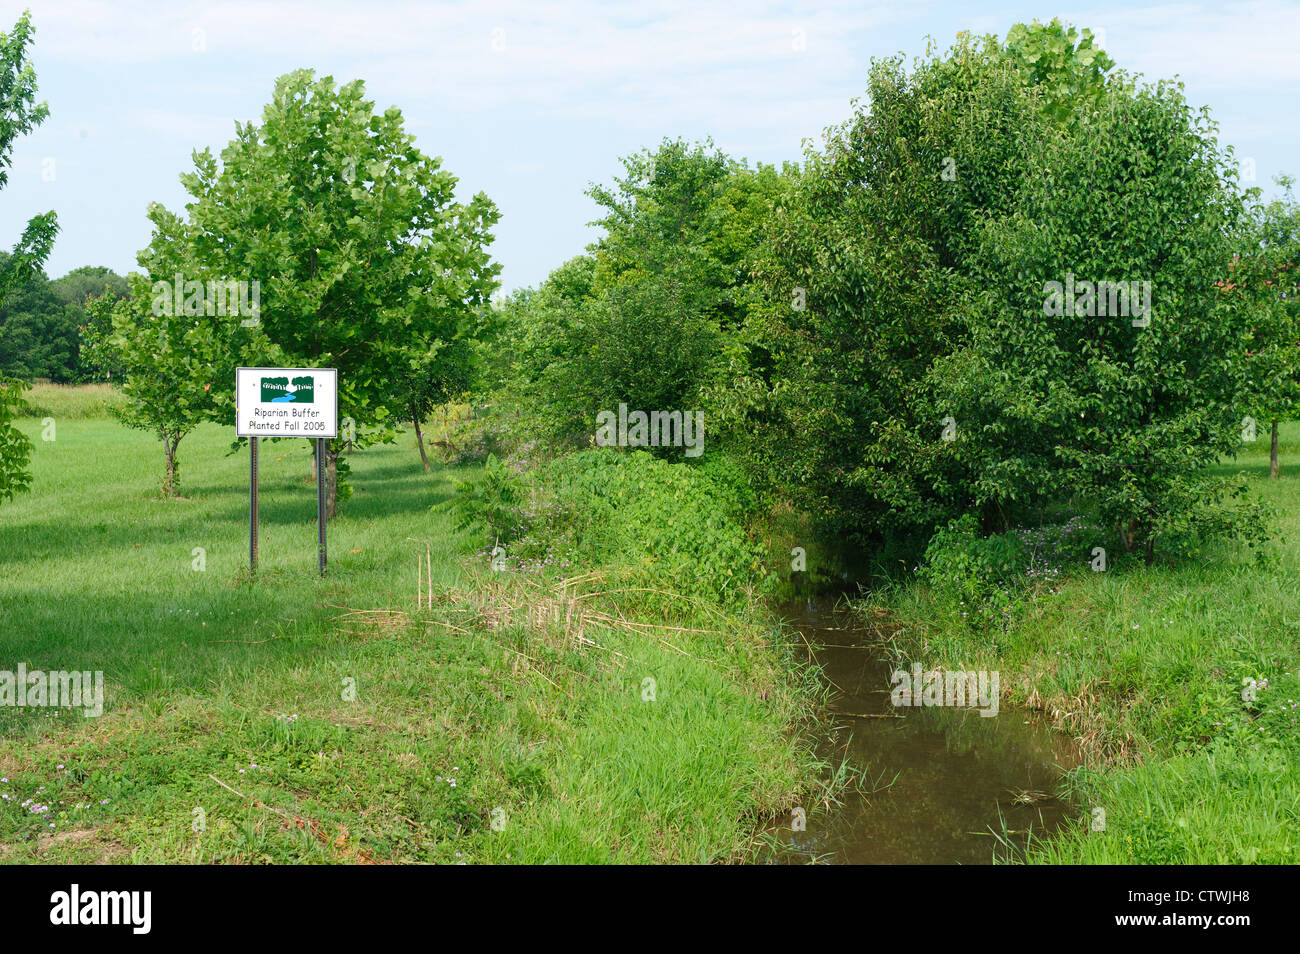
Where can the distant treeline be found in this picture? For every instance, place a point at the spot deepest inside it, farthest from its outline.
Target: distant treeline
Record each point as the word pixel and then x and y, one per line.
pixel 41 321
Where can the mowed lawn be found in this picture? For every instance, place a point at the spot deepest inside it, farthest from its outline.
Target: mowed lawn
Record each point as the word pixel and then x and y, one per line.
pixel 354 727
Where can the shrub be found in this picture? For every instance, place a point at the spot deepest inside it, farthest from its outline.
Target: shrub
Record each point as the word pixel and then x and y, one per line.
pixel 656 523
pixel 987 578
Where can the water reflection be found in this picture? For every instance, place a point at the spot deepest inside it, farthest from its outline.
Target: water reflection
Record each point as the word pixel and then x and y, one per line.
pixel 956 777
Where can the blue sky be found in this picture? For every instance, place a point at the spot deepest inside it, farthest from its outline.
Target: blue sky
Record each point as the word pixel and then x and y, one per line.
pixel 532 101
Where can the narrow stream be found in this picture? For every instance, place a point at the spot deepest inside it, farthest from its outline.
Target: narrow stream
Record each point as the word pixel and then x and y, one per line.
pixel 945 779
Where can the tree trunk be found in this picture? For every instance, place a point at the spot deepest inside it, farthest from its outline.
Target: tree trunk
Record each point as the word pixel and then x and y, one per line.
pixel 1272 455
pixel 1127 534
pixel 331 479
pixel 419 441
pixel 169 470
pixel 992 518
pixel 312 443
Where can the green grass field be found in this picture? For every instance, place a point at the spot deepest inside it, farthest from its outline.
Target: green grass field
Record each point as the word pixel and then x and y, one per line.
pixel 498 726
pixel 1145 667
pixel 288 718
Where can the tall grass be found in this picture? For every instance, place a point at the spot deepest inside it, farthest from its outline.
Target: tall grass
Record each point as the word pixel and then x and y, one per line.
pixel 71 401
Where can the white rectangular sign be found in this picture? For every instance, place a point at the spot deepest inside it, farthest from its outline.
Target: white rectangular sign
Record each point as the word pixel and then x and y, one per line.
pixel 287 402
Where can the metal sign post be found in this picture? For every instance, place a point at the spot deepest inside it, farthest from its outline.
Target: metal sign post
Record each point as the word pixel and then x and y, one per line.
pixel 287 402
pixel 320 502
pixel 252 505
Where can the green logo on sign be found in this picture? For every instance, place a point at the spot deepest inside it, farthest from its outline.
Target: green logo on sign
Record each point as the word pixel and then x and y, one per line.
pixel 284 391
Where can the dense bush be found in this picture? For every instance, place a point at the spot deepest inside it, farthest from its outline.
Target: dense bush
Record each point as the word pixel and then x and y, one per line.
pixel 650 522
pixel 985 579
pixel 910 366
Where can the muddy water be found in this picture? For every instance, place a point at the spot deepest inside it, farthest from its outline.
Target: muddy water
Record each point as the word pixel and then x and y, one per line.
pixel 944 779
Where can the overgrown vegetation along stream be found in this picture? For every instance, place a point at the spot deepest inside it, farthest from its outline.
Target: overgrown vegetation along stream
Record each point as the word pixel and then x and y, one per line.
pixel 875 337
pixel 519 718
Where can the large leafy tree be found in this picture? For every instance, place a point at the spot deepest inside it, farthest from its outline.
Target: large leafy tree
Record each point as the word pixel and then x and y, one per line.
pixel 19 113
pixel 648 315
pixel 1124 411
pixel 906 301
pixel 866 273
pixel 366 263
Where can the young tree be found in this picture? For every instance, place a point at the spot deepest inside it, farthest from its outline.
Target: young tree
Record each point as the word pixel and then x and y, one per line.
pixel 19 113
pixel 433 379
pixel 1265 280
pixel 158 359
pixel 171 366
pixel 176 355
pixel 364 259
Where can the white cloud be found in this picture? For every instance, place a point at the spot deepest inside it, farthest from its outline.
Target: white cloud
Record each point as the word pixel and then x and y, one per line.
pixel 552 54
pixel 1232 45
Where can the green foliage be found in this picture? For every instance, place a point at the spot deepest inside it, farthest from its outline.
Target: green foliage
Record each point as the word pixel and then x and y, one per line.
pixel 1058 403
pixel 20 114
pixel 908 367
pixel 490 502
pixel 655 522
pixel 75 289
pixel 15 448
pixel 985 580
pixel 172 365
pixel 89 281
pixel 865 275
pixel 1065 67
pixel 38 332
pixel 42 322
pixel 1264 281
pixel 365 261
pixel 649 316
